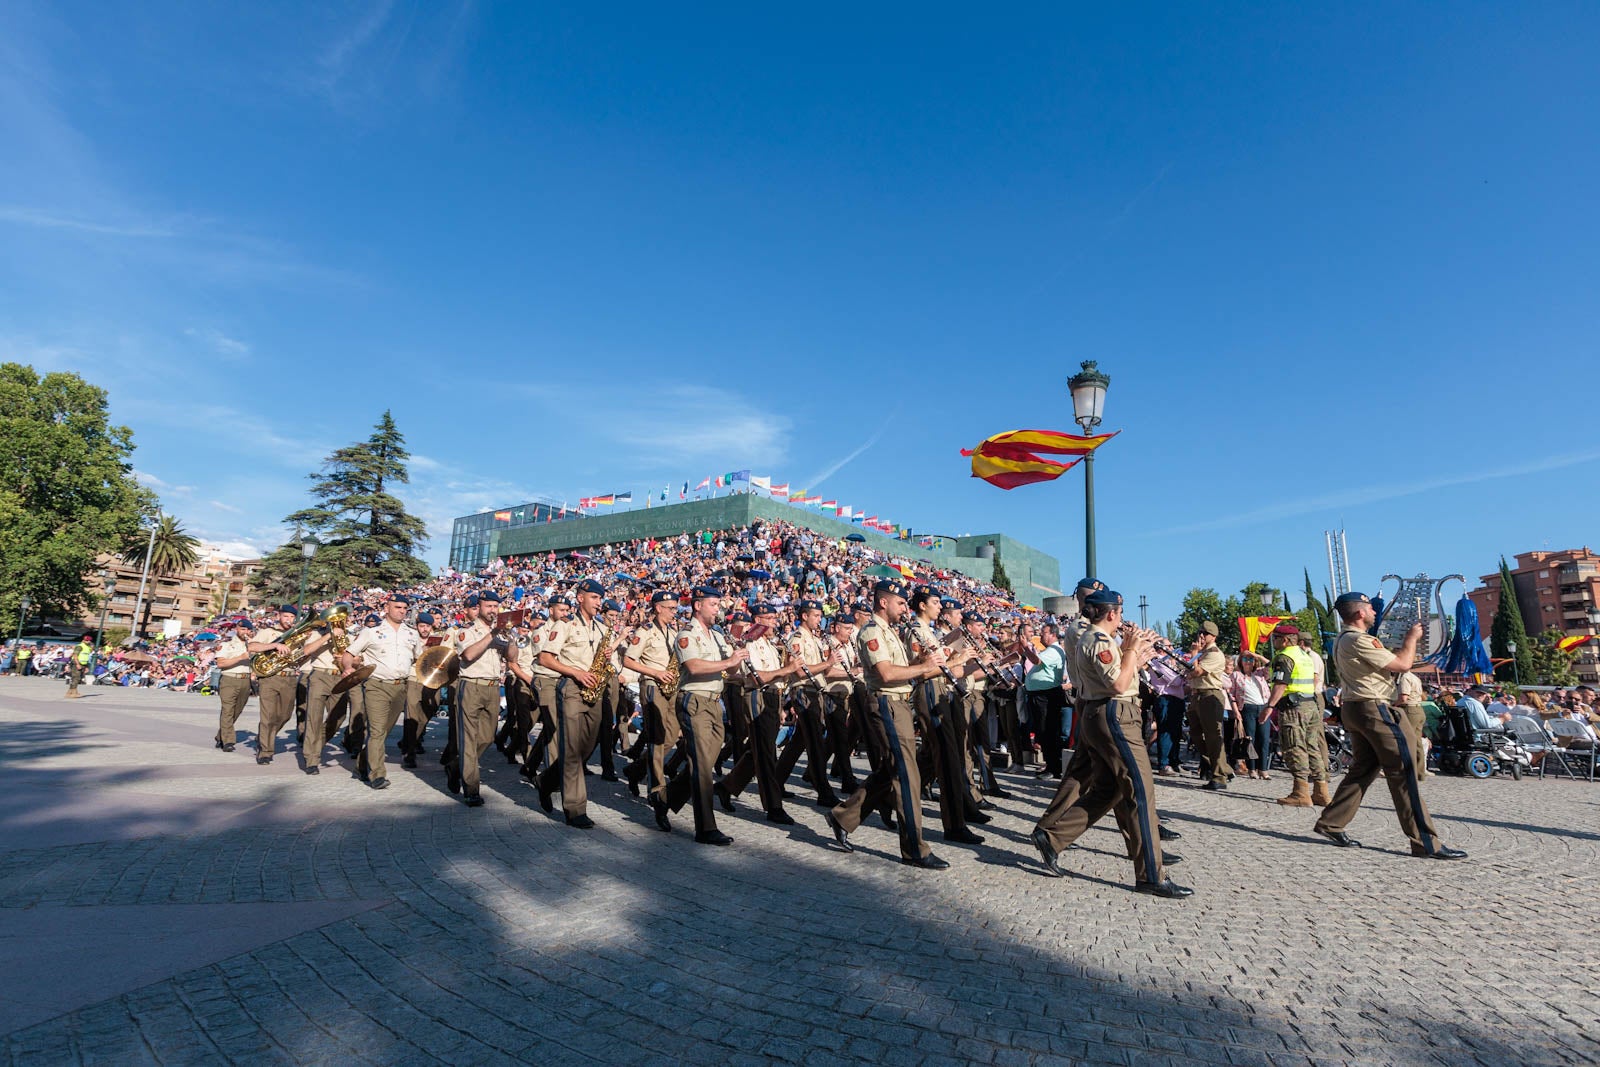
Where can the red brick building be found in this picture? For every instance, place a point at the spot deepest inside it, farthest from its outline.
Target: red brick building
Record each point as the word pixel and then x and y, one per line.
pixel 1555 591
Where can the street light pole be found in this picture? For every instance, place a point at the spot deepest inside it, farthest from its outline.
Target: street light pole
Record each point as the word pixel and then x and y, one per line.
pixel 22 617
pixel 308 548
pixel 1516 671
pixel 1144 607
pixel 109 583
pixel 138 606
pixel 1088 407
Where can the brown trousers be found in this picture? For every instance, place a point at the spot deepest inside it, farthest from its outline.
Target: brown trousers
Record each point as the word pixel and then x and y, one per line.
pixel 700 716
pixel 320 701
pixel 1381 740
pixel 577 726
pixel 235 693
pixel 1207 709
pixel 661 732
pixel 895 779
pixel 386 703
pixel 276 707
pixel 478 713
pixel 421 706
pixel 1114 773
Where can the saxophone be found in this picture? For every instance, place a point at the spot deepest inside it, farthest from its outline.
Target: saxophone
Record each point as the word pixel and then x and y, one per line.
pixel 669 688
pixel 602 668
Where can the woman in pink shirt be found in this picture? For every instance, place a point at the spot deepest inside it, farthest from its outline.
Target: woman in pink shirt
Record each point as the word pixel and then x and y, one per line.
pixel 1247 693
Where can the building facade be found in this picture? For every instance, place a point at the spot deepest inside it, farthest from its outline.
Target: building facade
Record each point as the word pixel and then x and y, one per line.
pixel 1033 574
pixel 472 535
pixel 1555 591
pixel 218 584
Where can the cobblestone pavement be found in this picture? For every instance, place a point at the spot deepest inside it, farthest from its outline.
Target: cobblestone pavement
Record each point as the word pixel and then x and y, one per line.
pixel 164 902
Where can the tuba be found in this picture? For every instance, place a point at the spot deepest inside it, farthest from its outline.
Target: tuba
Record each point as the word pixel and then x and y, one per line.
pixel 267 664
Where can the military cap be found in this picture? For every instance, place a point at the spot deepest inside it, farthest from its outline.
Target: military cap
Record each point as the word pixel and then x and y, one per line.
pixel 610 605
pixel 949 601
pixel 705 592
pixel 1104 596
pixel 472 599
pixel 559 599
pixel 1088 585
pixel 1209 627
pixel 862 606
pixel 396 598
pixel 370 620
pixel 1351 598
pixel 809 605
pixel 245 624
pixel 425 616
pixel 739 616
pixel 662 595
pixel 886 585
pixel 972 616
pixel 763 609
pixel 289 609
pixel 589 585
pixel 1286 629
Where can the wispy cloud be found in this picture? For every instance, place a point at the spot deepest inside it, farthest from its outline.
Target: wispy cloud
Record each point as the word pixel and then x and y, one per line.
pixel 220 506
pixel 1373 494
pixel 335 61
pixel 28 216
pixel 829 471
pixel 150 481
pixel 219 342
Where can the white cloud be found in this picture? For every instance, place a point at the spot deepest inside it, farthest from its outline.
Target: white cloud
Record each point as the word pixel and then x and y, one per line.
pixel 220 506
pixel 28 216
pixel 219 342
pixel 150 481
pixel 834 468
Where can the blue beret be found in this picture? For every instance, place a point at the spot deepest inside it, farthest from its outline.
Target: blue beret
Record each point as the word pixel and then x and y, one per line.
pixel 396 598
pixel 972 616
pixel 862 606
pixel 1104 596
pixel 705 592
pixel 1351 598
pixel 610 605
pixel 1089 584
pixel 662 595
pixel 810 605
pixel 763 609
pixel 471 601
pixel 289 609
pixel 559 599
pixel 370 620
pixel 739 616
pixel 425 616
pixel 589 585
pixel 949 602
pixel 884 585
pixel 246 624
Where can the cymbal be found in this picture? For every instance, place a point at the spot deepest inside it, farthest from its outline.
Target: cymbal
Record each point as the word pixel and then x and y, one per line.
pixel 354 678
pixel 438 666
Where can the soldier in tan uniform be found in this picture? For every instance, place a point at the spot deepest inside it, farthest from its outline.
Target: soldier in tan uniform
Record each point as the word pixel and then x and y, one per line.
pixel 1409 699
pixel 483 649
pixel 422 702
pixel 233 660
pixel 976 707
pixel 393 647
pixel 569 649
pixel 1208 684
pixel 1379 738
pixel 611 709
pixel 1117 765
pixel 807 696
pixel 847 696
pixel 276 694
pixel 650 654
pixel 703 655
pixel 543 686
pixel 891 677
pixel 765 684
pixel 941 740
pixel 322 705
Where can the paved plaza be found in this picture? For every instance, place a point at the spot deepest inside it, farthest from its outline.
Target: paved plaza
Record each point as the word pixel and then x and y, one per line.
pixel 164 902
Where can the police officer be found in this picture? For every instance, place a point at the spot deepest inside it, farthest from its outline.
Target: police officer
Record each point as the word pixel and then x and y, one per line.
pixel 703 655
pixel 1208 683
pixel 649 653
pixel 78 663
pixel 569 649
pixel 765 684
pixel 891 677
pixel 483 648
pixel 1381 738
pixel 1293 697
pixel 275 693
pixel 1116 764
pixel 393 647
pixel 233 660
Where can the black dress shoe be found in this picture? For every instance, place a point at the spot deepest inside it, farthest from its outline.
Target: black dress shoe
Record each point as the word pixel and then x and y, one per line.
pixel 1169 858
pixel 662 822
pixel 609 776
pixel 888 819
pixel 1169 889
pixel 580 822
pixel 930 862
pixel 1000 794
pixel 227 746
pixel 409 762
pixel 1168 835
pixel 985 805
pixel 713 837
pixel 1339 837
pixel 789 796
pixel 262 761
pixel 1214 787
pixel 381 783
pixel 528 772
pixel 781 817
pixel 633 786
pixel 839 834
pixel 830 802
pixel 980 818
pixel 474 801
pixel 1440 853
pixel 217 741
pixel 313 769
pixel 963 837
pixel 452 777
pixel 724 797
pixel 544 799
pixel 1041 841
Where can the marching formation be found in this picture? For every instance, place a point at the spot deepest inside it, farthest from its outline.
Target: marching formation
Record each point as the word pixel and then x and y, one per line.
pixel 718 662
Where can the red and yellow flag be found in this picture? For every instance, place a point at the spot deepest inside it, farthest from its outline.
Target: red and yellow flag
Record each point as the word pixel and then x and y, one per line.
pixel 1011 459
pixel 1567 644
pixel 1252 628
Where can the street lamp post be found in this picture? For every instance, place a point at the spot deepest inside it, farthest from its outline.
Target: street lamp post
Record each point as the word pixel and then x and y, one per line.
pixel 22 617
pixel 109 584
pixel 1144 608
pixel 308 548
pixel 1516 671
pixel 144 576
pixel 1088 407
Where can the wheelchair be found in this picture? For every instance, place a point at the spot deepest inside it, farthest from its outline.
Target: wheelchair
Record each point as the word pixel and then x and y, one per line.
pixel 1465 752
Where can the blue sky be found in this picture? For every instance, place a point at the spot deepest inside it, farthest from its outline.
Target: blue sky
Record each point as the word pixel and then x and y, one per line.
pixel 1340 263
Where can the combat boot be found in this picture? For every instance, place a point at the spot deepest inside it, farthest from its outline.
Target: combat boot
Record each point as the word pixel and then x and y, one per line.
pixel 1319 794
pixel 1300 797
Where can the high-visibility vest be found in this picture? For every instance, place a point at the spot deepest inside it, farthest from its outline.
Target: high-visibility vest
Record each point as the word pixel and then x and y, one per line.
pixel 25 653
pixel 84 653
pixel 1304 680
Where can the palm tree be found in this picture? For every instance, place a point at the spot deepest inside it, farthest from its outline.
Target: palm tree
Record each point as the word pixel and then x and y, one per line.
pixel 172 551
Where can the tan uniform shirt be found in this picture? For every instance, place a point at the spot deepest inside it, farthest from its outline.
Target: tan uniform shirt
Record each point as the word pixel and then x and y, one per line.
pixel 488 667
pixel 976 679
pixel 230 647
pixel 699 642
pixel 324 661
pixel 877 643
pixel 650 645
pixel 808 646
pixel 1099 661
pixel 538 641
pixel 392 650
pixel 574 642
pixel 1071 634
pixel 1363 661
pixel 849 661
pixel 764 657
pixel 1213 676
pixel 1409 690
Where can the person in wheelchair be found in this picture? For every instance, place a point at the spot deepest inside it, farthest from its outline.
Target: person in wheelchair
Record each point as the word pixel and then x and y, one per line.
pixel 1478 716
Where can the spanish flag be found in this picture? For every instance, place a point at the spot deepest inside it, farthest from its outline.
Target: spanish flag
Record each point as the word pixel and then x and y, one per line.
pixel 1252 628
pixel 1010 459
pixel 1567 644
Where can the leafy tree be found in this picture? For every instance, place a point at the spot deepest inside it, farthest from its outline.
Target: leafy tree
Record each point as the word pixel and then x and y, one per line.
pixel 67 492
pixel 171 551
pixel 1205 605
pixel 365 537
pixel 1551 665
pixel 1507 629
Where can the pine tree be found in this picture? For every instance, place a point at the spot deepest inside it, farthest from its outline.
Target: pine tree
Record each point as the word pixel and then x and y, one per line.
pixel 1507 629
pixel 365 537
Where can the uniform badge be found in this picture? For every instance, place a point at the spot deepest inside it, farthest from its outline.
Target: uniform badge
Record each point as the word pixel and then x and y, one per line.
pixel 872 646
pixel 683 642
pixel 1105 656
pixel 1375 642
pixel 635 640
pixel 536 637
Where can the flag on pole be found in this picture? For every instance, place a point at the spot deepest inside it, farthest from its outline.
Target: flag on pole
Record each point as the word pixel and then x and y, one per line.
pixel 1252 628
pixel 797 497
pixel 858 516
pixel 761 481
pixel 829 505
pixel 705 483
pixel 502 516
pixel 1011 459
pixel 780 490
pixel 600 501
pixel 1567 644
pixel 684 494
pixel 622 498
